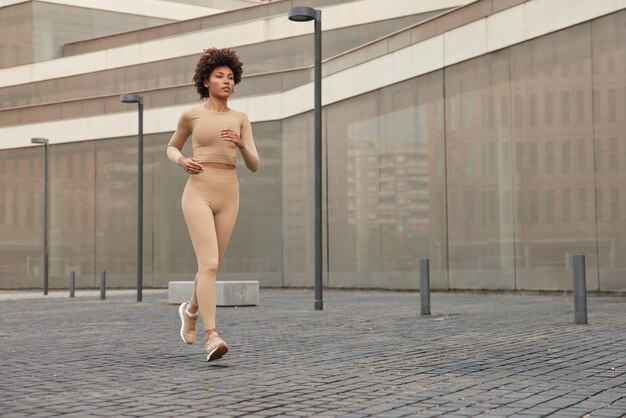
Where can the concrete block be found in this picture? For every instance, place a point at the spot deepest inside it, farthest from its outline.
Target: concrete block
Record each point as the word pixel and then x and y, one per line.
pixel 231 293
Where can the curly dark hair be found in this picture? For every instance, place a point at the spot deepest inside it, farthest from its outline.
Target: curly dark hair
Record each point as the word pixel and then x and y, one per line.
pixel 209 60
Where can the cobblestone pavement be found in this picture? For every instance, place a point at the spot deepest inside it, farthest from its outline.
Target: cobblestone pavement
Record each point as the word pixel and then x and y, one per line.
pixel 368 353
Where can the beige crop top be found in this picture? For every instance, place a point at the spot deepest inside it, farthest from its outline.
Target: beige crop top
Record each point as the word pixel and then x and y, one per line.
pixel 204 126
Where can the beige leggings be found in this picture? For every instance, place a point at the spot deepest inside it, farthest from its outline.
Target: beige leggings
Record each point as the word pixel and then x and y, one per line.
pixel 210 206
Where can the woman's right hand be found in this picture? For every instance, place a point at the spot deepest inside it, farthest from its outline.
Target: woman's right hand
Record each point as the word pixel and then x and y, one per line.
pixel 190 165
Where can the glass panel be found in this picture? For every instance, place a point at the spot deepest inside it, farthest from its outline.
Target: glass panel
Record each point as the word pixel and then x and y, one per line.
pixel 16 37
pixel 72 206
pixel 297 51
pixel 557 66
pixel 55 26
pixel 116 210
pixel 480 231
pixel 21 218
pixel 297 194
pixel 354 149
pixel 411 192
pixel 609 79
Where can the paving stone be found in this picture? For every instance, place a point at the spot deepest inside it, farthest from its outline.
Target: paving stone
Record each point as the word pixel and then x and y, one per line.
pixel 299 414
pixel 368 353
pixel 609 413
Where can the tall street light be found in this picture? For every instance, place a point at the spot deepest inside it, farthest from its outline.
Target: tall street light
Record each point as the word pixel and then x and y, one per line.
pixel 135 98
pixel 44 141
pixel 304 14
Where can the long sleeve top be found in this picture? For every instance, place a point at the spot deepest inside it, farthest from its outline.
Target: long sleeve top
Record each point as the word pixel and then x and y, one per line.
pixel 204 125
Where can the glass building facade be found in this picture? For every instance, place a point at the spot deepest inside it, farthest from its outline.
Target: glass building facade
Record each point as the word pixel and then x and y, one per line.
pixel 497 169
pixel 36 31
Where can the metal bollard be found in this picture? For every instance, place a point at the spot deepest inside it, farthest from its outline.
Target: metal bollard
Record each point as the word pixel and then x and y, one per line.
pixel 580 289
pixel 103 284
pixel 425 286
pixel 72 283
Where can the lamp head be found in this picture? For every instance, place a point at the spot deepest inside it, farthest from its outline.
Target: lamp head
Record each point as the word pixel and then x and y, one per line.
pixel 131 98
pixel 302 14
pixel 38 140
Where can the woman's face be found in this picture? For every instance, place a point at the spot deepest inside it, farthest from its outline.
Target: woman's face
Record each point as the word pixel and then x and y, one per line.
pixel 221 82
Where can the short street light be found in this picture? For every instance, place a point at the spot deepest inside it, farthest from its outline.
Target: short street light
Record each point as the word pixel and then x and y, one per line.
pixel 44 142
pixel 305 14
pixel 135 98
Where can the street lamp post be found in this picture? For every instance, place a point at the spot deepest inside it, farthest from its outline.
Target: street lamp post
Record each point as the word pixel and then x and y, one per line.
pixel 135 98
pixel 305 14
pixel 44 141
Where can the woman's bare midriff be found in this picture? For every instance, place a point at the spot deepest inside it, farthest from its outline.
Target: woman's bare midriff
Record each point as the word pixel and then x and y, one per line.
pixel 219 165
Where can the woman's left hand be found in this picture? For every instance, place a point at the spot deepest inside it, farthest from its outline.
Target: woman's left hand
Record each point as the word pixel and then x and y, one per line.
pixel 230 135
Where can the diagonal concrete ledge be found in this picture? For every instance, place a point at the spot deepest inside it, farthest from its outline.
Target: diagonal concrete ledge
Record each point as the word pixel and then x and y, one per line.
pixel 231 293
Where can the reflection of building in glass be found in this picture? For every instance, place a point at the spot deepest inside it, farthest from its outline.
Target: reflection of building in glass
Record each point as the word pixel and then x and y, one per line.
pixel 388 187
pixel 539 169
pixel 388 171
pixel 495 155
